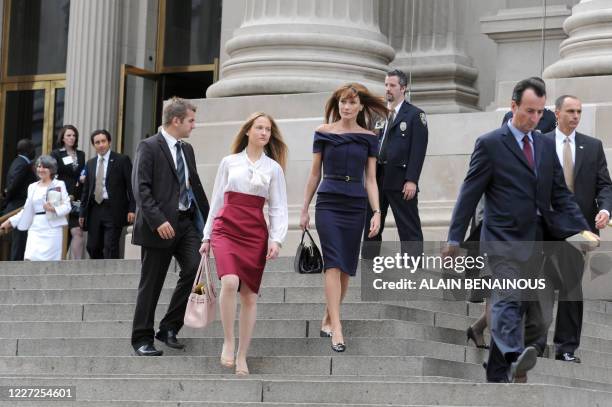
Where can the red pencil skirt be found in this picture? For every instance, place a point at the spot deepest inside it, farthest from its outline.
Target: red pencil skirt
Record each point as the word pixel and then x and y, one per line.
pixel 239 238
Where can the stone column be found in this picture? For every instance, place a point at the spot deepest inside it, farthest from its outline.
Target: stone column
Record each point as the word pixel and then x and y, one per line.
pixel 92 69
pixel 442 74
pixel 302 46
pixel 588 50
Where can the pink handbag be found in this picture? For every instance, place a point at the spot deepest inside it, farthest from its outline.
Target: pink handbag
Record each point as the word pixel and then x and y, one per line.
pixel 201 304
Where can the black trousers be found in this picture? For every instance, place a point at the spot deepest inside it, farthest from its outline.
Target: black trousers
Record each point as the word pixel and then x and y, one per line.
pixel 18 244
pixel 564 268
pixel 102 234
pixel 155 262
pixel 407 220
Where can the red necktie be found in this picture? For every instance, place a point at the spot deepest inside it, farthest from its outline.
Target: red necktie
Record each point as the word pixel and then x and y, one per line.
pixel 527 151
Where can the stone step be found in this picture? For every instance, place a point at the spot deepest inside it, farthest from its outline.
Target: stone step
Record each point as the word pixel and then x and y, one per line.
pixel 253 389
pixel 128 295
pixel 123 280
pixel 259 347
pixel 106 266
pixel 126 403
pixel 286 328
pixel 363 368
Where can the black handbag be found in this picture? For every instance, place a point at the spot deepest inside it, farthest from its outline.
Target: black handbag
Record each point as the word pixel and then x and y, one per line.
pixel 308 258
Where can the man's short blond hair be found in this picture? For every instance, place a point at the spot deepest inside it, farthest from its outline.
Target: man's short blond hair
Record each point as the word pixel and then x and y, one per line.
pixel 176 107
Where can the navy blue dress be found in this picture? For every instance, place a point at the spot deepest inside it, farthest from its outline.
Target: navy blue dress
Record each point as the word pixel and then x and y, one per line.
pixel 341 205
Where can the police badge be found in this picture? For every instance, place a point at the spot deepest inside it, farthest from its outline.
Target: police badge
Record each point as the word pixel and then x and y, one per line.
pixel 403 126
pixel 423 119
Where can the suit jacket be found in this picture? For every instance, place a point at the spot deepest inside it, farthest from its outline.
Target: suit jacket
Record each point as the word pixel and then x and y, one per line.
pixel 23 219
pixel 405 147
pixel 69 173
pixel 156 186
pixel 118 185
pixel 514 194
pixel 592 184
pixel 20 175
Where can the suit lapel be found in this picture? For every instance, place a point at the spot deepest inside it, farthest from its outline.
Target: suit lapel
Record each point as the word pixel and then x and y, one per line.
pixel 399 115
pixel 164 146
pixel 510 142
pixel 579 159
pixel 109 168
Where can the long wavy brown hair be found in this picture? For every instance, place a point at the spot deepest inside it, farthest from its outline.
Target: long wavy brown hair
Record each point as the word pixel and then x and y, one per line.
pixel 276 148
pixel 373 106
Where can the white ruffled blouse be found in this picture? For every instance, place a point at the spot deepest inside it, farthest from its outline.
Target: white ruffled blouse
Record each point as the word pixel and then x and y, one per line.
pixel 263 178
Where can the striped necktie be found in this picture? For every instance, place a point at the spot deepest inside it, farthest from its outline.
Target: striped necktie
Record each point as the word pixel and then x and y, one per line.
pixel 180 169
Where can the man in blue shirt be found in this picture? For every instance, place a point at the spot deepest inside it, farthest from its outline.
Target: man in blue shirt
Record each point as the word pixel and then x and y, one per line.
pixel 526 200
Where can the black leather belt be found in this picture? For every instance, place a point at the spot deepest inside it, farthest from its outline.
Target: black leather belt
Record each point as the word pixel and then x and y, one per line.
pixel 40 213
pixel 186 213
pixel 345 178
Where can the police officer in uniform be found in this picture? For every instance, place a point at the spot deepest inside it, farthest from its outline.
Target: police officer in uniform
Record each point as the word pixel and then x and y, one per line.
pixel 403 144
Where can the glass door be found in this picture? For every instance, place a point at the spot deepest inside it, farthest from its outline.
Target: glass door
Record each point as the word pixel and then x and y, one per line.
pixel 32 110
pixel 138 107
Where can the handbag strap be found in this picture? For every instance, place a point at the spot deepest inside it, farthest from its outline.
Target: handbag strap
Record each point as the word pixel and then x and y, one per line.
pixel 306 231
pixel 212 290
pixel 196 281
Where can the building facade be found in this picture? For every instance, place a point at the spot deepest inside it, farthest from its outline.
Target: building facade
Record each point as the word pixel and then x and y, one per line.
pixel 111 63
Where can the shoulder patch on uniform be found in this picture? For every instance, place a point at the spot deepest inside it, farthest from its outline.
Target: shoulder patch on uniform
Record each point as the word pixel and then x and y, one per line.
pixel 423 119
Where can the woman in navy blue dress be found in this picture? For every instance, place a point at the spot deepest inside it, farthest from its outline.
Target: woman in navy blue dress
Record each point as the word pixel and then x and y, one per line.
pixel 345 149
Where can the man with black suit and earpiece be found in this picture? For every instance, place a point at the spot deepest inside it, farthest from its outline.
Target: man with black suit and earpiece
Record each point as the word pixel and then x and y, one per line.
pixel 586 175
pixel 171 203
pixel 526 201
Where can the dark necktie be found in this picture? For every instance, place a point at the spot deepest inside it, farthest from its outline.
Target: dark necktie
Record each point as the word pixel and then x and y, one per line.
pixel 528 151
pixel 383 147
pixel 180 169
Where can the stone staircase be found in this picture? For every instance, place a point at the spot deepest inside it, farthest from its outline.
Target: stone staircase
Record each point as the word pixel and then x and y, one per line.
pixel 68 324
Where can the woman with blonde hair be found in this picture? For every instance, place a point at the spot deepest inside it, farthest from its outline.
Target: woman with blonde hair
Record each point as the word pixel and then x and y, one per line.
pixel 236 228
pixel 345 148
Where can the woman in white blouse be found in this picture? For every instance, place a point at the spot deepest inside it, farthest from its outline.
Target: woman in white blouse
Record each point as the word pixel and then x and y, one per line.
pixel 236 228
pixel 44 213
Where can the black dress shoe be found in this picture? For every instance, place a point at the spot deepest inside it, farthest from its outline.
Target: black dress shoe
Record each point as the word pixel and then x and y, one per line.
pixel 148 350
pixel 169 338
pixel 568 357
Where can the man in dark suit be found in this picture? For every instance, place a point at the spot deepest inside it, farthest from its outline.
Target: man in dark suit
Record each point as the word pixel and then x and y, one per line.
pixel 20 175
pixel 525 199
pixel 170 199
pixel 107 202
pixel 586 174
pixel 403 145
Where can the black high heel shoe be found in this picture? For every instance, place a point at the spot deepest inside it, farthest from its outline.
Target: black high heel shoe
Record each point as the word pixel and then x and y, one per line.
pixel 325 334
pixel 338 347
pixel 470 335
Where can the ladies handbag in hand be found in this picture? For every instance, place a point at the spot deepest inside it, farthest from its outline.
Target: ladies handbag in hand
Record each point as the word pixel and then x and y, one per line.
pixel 202 301
pixel 308 258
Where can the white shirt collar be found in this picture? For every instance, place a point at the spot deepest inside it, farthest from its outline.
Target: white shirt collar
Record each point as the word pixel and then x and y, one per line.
pixel 256 163
pixel 560 136
pixel 169 139
pixel 105 156
pixel 398 107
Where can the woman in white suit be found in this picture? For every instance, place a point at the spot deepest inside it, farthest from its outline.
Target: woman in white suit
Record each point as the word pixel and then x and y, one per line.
pixel 44 213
